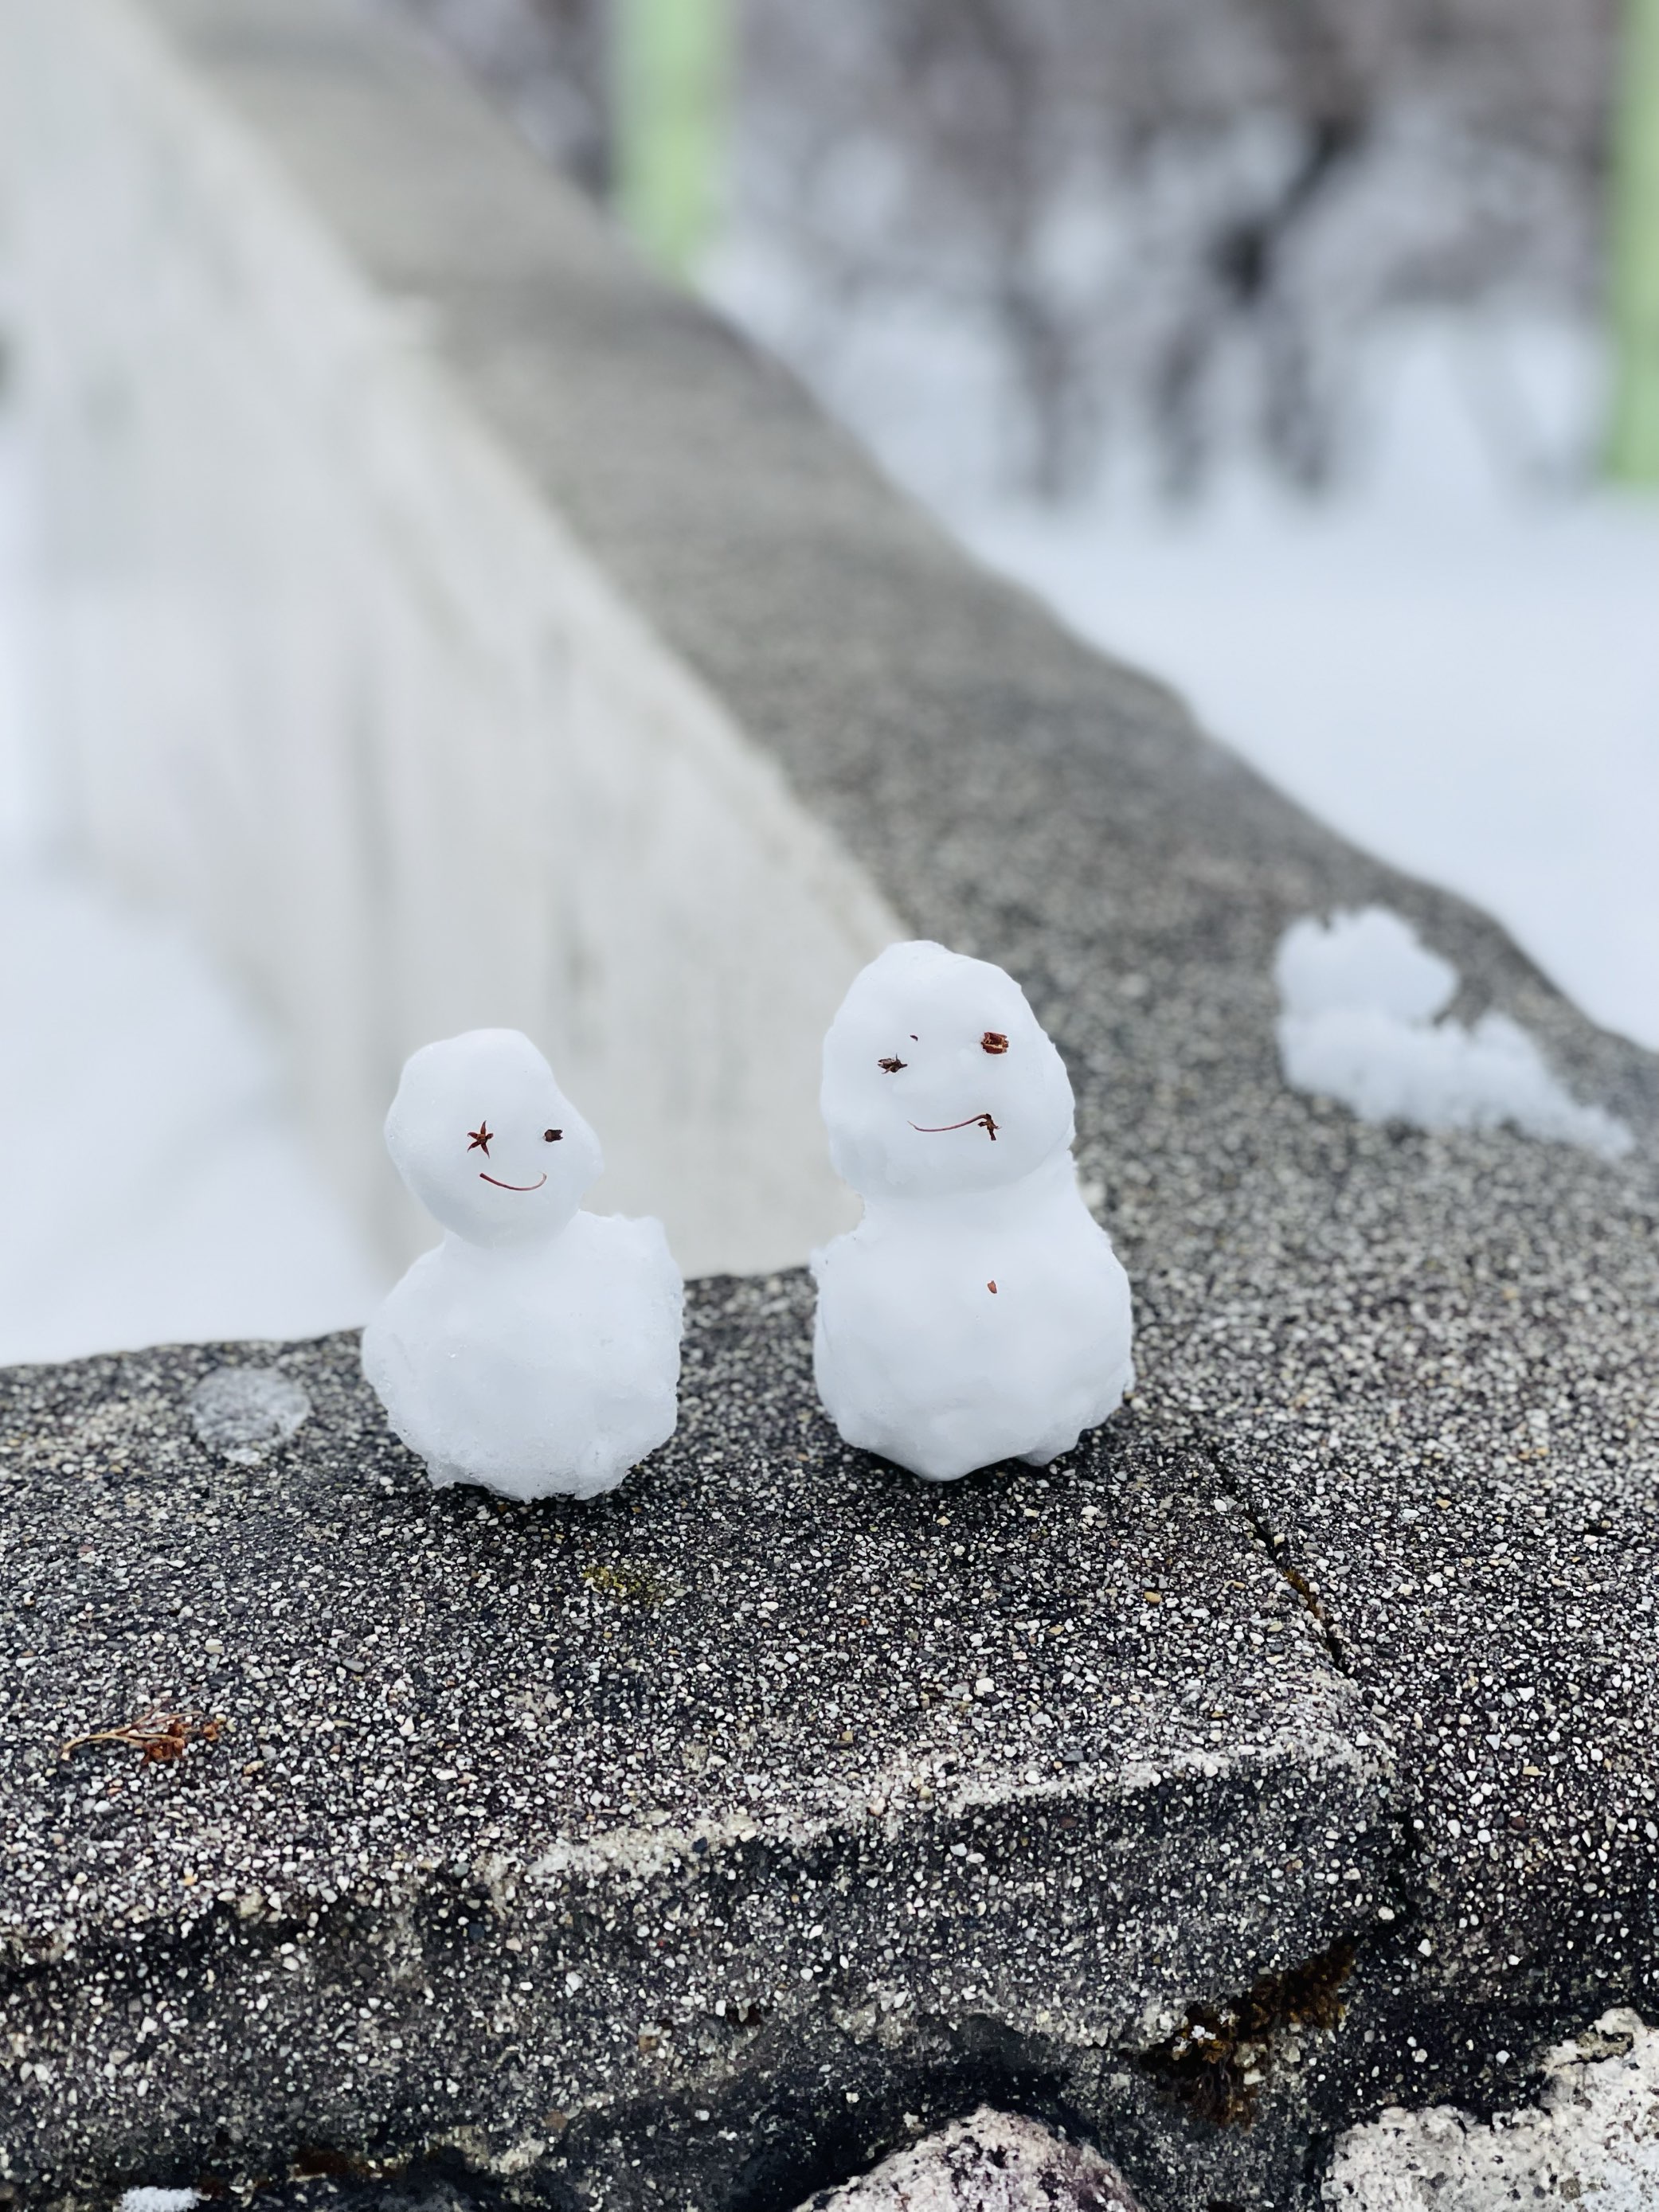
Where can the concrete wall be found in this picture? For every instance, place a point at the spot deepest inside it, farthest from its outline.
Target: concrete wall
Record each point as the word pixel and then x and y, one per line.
pixel 330 670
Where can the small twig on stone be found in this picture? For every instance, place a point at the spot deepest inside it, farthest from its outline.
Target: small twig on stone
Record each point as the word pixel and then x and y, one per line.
pixel 161 1737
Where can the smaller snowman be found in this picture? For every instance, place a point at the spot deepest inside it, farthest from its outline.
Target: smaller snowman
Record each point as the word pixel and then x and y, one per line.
pixel 535 1351
pixel 978 1312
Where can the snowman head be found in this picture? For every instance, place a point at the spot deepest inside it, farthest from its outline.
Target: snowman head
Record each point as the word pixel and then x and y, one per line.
pixel 937 1078
pixel 486 1139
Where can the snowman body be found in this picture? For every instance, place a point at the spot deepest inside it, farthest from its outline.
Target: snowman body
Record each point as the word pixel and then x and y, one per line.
pixel 1000 1331
pixel 536 1350
pixel 978 1312
pixel 547 1371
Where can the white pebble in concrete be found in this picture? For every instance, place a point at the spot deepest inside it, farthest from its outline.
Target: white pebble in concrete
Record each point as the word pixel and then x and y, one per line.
pixel 1593 2136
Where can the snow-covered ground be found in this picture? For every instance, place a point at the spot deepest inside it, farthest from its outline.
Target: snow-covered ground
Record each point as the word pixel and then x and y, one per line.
pixel 1468 689
pixel 1452 660
pixel 152 1184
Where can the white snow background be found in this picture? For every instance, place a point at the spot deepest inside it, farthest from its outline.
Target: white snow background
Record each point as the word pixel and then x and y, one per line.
pixel 154 1186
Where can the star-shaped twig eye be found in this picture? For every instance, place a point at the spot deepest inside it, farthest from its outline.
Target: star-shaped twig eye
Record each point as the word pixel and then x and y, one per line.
pixel 480 1137
pixel 892 1065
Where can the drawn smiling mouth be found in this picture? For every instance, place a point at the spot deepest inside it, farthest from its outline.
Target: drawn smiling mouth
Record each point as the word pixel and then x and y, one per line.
pixel 973 1122
pixel 499 1185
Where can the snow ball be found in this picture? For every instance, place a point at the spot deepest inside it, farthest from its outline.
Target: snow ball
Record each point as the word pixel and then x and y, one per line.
pixel 245 1412
pixel 1360 995
pixel 535 1351
pixel 991 2161
pixel 1369 961
pixel 158 2200
pixel 516 1178
pixel 938 1080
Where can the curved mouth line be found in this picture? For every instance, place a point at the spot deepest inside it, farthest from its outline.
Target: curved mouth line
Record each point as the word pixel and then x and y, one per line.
pixel 499 1185
pixel 973 1122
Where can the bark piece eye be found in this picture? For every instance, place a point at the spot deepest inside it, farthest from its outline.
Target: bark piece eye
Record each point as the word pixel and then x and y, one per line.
pixel 551 1136
pixel 892 1065
pixel 993 1041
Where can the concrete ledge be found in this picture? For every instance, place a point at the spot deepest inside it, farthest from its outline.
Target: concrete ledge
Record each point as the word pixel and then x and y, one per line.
pixel 777 1789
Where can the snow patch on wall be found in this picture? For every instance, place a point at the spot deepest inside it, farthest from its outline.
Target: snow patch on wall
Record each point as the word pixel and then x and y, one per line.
pixel 1592 2136
pixel 1360 997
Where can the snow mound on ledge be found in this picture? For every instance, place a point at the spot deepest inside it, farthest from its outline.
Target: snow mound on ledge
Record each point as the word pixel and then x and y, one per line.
pixel 1360 994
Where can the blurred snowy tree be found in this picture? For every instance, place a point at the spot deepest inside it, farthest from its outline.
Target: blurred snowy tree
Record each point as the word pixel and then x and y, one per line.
pixel 1176 222
pixel 1186 214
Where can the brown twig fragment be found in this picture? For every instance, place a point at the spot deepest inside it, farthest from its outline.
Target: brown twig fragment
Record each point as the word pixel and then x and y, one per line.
pixel 974 1121
pixel 161 1737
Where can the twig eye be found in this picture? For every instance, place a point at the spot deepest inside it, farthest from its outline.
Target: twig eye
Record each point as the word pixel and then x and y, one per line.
pixel 892 1065
pixel 551 1136
pixel 993 1041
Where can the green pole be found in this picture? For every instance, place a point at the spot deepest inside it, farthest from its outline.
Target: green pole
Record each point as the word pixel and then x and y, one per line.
pixel 672 60
pixel 1632 454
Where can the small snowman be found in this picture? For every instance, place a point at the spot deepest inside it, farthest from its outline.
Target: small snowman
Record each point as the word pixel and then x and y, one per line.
pixel 977 1312
pixel 535 1351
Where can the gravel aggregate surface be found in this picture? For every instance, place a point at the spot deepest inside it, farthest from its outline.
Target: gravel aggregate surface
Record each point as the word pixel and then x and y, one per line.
pixel 772 1753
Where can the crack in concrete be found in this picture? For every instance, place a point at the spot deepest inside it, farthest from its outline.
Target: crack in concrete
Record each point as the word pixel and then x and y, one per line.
pixel 1305 1592
pixel 1408 1850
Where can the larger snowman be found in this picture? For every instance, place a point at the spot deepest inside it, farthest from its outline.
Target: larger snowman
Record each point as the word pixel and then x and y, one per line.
pixel 978 1312
pixel 537 1350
